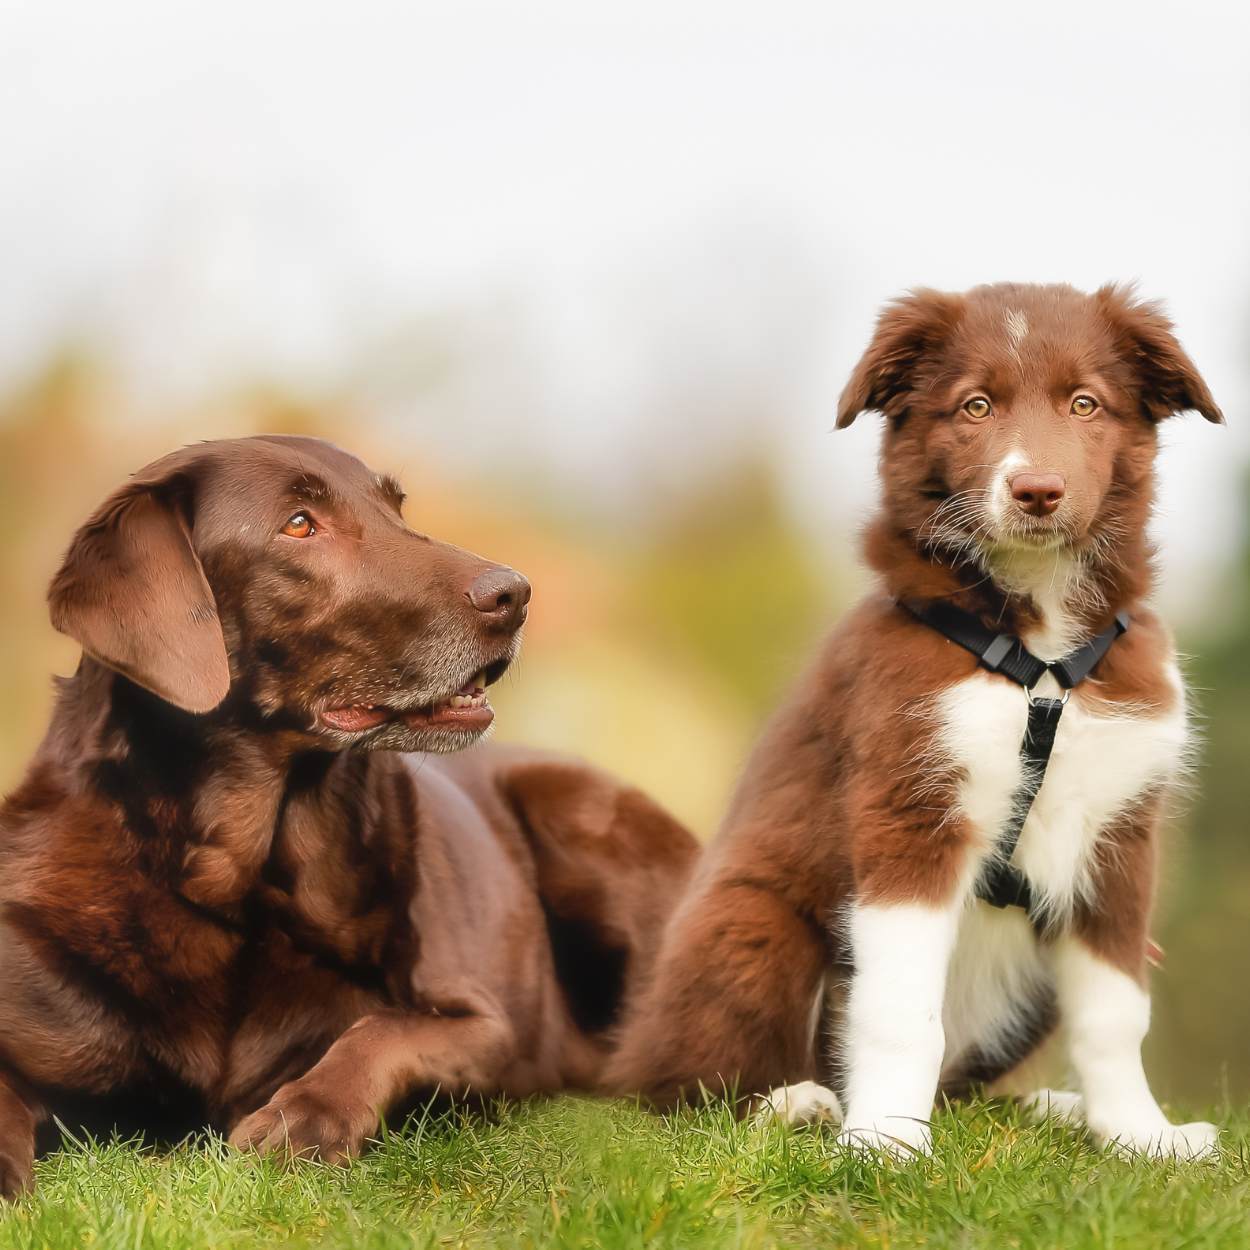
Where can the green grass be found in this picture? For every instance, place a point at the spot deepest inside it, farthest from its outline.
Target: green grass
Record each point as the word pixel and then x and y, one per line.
pixel 572 1173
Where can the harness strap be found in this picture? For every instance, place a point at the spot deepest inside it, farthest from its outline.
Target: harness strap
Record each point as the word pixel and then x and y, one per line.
pixel 1000 653
pixel 1077 665
pixel 1001 885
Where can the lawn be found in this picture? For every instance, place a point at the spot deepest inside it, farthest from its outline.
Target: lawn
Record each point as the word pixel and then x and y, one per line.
pixel 572 1173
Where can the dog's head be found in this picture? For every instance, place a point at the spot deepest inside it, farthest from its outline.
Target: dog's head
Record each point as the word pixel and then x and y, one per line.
pixel 275 579
pixel 1021 418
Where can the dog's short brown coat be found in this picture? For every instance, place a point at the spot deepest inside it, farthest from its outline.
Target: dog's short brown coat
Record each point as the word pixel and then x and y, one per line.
pixel 207 893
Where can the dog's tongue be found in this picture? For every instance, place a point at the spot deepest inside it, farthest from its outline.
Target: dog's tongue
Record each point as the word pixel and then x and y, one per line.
pixel 354 719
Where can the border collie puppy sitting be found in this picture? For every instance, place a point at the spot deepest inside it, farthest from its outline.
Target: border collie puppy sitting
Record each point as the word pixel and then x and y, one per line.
pixel 945 844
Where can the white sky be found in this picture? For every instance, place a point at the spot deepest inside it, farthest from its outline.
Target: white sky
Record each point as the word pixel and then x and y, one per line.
pixel 603 242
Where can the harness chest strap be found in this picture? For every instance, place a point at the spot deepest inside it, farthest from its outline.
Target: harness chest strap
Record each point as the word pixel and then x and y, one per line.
pixel 1002 885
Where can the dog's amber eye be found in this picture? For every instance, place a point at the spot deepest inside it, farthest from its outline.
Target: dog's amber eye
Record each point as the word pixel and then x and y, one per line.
pixel 299 526
pixel 1084 406
pixel 978 407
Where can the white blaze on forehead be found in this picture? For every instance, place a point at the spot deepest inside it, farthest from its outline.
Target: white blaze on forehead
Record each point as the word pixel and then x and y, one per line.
pixel 1017 329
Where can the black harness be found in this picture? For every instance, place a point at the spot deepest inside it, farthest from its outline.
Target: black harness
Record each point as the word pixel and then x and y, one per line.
pixel 1001 885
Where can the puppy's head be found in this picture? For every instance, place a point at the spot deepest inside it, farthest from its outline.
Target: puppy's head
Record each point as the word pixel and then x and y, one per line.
pixel 1021 417
pixel 275 579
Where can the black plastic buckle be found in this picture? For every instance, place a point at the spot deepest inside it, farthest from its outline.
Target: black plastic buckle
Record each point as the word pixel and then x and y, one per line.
pixel 997 652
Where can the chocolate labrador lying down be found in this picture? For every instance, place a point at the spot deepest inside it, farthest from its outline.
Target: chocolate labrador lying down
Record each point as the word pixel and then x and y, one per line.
pixel 237 872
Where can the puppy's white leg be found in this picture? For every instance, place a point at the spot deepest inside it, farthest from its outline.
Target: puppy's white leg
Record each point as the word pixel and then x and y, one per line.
pixel 1055 1104
pixel 1107 1015
pixel 894 1035
pixel 803 1103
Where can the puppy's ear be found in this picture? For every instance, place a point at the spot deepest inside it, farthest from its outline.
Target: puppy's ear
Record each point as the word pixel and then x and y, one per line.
pixel 1170 381
pixel 907 328
pixel 132 592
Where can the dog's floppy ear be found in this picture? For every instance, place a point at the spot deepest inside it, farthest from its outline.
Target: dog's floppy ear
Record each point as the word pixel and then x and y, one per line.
pixel 132 592
pixel 1170 381
pixel 906 329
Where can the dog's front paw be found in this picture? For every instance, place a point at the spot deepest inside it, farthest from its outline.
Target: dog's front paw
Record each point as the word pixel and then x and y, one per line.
pixel 300 1121
pixel 1173 1141
pixel 803 1103
pixel 895 1137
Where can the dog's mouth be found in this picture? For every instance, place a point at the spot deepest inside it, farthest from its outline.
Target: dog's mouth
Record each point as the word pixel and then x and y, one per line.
pixel 1036 533
pixel 467 708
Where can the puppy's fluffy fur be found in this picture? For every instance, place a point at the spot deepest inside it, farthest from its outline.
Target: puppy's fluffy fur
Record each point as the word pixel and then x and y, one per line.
pixel 832 934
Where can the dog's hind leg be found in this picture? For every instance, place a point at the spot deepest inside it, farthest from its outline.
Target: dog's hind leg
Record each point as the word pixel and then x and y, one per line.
pixel 1063 1105
pixel 804 1103
pixel 610 865
pixel 18 1121
pixel 734 1002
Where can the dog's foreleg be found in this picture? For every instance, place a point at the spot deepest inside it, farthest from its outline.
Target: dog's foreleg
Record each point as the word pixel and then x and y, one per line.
pixel 894 1038
pixel 1107 1014
pixel 462 1043
pixel 1100 978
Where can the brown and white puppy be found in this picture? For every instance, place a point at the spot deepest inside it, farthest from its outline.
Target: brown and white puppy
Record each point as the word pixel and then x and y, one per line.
pixel 239 879
pixel 832 934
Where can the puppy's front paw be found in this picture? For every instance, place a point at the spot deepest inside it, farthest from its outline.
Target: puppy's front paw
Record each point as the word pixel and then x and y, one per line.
pixel 1198 1140
pixel 895 1137
pixel 300 1121
pixel 803 1103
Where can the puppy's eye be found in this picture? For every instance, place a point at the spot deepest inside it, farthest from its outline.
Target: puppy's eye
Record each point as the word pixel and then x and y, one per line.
pixel 978 408
pixel 300 525
pixel 1084 406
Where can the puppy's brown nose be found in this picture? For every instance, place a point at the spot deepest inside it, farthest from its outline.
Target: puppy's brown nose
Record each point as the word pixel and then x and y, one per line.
pixel 1038 494
pixel 501 595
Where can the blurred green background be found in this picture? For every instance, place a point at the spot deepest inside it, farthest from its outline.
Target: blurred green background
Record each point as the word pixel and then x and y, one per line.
pixel 588 279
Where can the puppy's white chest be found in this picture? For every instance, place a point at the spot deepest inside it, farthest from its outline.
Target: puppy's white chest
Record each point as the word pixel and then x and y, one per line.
pixel 1103 760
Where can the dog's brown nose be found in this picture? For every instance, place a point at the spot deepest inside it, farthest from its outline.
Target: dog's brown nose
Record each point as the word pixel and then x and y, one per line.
pixel 1038 494
pixel 503 595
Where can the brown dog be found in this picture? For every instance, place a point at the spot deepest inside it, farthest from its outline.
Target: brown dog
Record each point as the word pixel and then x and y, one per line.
pixel 221 878
pixel 873 915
